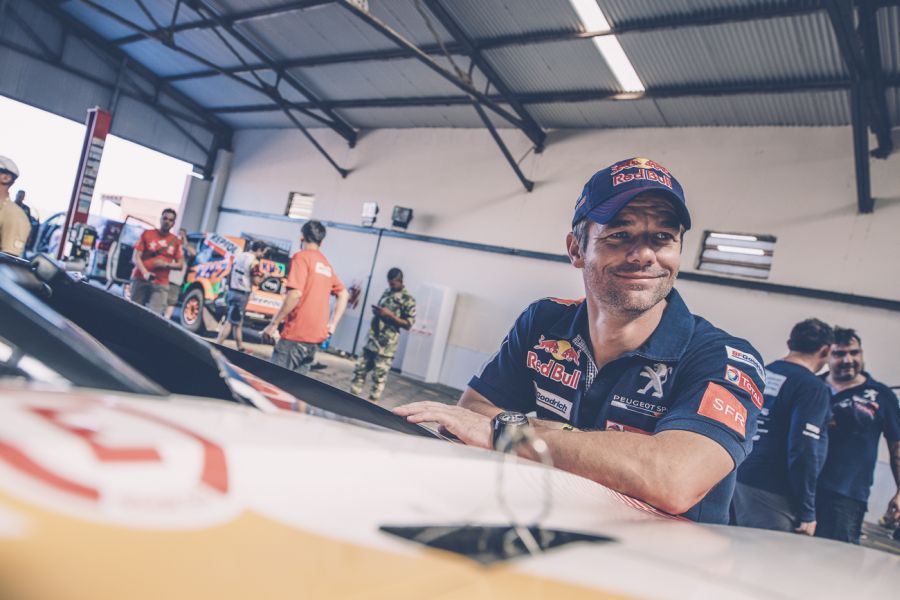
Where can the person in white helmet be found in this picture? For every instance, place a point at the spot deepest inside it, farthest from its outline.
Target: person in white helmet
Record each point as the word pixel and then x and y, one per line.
pixel 14 224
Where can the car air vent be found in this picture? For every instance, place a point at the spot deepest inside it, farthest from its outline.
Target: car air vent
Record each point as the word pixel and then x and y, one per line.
pixel 488 544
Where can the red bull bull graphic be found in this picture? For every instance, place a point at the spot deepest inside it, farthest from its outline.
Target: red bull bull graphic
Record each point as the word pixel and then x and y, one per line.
pixel 561 350
pixel 640 163
pixel 553 370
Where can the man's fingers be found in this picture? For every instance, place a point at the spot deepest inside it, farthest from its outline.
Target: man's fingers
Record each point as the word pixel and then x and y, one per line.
pixel 414 407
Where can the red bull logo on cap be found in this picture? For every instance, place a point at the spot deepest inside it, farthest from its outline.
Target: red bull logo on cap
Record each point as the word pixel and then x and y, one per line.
pixel 561 350
pixel 644 168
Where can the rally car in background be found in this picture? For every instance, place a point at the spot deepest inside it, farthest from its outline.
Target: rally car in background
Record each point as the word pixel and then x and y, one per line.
pixel 202 298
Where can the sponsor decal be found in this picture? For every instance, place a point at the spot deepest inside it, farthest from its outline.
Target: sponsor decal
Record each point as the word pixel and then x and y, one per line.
pixel 720 405
pixel 870 394
pixel 561 350
pixel 774 381
pixel 743 381
pixel 647 409
pixel 647 174
pixel 747 359
pixel 616 426
pixel 656 377
pixel 639 163
pixel 553 370
pixel 812 431
pixel 552 402
pixel 323 269
pixel 580 202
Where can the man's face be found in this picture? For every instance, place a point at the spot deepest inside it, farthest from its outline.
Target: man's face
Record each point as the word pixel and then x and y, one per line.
pixel 166 222
pixel 396 284
pixel 630 264
pixel 845 361
pixel 6 179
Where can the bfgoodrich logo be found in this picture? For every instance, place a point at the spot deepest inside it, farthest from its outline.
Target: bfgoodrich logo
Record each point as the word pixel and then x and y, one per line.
pixel 552 402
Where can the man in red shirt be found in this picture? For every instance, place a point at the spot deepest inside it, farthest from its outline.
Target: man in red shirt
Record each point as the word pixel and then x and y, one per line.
pixel 157 252
pixel 311 283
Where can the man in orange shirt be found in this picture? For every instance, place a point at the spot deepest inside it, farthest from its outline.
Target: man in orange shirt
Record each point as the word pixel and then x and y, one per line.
pixel 311 282
pixel 156 253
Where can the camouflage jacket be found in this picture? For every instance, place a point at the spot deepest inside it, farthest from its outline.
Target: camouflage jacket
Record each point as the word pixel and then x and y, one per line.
pixel 384 335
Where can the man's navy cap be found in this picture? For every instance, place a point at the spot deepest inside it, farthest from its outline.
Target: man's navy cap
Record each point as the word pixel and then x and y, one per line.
pixel 609 190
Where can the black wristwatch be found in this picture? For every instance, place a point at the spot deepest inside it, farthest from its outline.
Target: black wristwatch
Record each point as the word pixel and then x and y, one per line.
pixel 504 424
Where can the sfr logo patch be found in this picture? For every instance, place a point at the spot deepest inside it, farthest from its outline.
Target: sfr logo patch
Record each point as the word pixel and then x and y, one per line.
pixel 720 405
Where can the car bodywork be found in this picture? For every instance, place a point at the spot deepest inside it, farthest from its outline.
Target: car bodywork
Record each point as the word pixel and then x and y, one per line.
pixel 138 491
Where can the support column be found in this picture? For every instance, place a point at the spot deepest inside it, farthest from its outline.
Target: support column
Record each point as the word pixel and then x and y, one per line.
pixel 221 173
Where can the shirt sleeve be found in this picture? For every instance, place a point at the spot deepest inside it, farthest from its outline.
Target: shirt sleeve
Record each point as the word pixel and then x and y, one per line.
pixel 337 286
pixel 891 415
pixel 807 444
pixel 718 396
pixel 410 311
pixel 179 252
pixel 296 279
pixel 503 380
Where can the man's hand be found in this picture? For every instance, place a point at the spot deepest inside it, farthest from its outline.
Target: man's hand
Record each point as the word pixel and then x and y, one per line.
pixel 270 333
pixel 331 327
pixel 382 312
pixel 806 528
pixel 470 427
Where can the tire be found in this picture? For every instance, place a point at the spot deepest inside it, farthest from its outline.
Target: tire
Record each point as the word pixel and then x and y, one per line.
pixel 192 307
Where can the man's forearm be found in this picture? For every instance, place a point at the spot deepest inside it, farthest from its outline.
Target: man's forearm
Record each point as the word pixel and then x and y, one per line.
pixel 290 302
pixel 894 450
pixel 339 307
pixel 672 470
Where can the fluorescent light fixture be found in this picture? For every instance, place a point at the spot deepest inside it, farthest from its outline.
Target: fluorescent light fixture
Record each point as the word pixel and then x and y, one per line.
pixel 734 236
pixel 739 250
pixel 593 19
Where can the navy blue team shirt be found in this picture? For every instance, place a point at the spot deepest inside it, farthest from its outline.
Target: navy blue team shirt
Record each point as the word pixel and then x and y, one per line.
pixel 792 437
pixel 861 414
pixel 688 375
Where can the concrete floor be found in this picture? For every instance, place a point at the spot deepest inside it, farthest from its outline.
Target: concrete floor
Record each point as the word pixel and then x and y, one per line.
pixel 400 390
pixel 338 371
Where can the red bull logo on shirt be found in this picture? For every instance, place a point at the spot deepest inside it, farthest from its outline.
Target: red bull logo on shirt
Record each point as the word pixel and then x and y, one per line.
pixel 561 350
pixel 553 370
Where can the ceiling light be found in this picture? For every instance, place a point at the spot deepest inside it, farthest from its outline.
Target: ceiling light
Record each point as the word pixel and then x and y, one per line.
pixel 739 250
pixel 592 19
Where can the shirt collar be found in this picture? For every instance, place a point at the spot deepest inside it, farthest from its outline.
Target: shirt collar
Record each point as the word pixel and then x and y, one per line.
pixel 667 342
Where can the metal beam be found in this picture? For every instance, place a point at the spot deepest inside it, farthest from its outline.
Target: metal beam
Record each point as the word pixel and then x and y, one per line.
pixel 93 39
pixel 861 149
pixel 695 19
pixel 530 126
pixel 529 185
pixel 880 122
pixel 269 92
pixel 851 44
pixel 399 40
pixel 572 96
pixel 233 18
pixel 338 124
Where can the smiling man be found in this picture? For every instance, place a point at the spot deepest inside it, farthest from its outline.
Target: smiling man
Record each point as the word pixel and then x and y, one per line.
pixel 863 409
pixel 664 403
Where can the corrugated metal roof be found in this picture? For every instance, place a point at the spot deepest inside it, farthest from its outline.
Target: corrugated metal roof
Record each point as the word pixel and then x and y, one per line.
pixel 573 65
pixel 105 26
pixel 578 115
pixel 772 49
pixel 889 37
pixel 419 116
pixel 624 11
pixel 275 119
pixel 220 91
pixel 810 108
pixel 386 79
pixel 483 19
pixel 159 59
pixel 207 44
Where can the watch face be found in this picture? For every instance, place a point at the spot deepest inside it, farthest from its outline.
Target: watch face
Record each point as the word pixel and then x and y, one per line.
pixel 512 418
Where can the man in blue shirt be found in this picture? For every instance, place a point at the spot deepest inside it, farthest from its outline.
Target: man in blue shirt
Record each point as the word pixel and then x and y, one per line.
pixel 644 379
pixel 776 486
pixel 863 409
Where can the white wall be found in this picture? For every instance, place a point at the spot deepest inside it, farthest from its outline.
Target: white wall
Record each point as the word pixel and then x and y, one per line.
pixel 795 183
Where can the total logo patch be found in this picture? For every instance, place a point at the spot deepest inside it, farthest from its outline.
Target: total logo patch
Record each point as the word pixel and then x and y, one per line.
pixel 743 381
pixel 553 370
pixel 747 359
pixel 552 402
pixel 720 405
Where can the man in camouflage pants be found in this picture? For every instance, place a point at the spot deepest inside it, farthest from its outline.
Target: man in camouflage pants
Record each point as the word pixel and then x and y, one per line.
pixel 396 310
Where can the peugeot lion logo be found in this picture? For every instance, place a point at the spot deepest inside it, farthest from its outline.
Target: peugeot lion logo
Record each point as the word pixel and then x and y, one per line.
pixel 657 376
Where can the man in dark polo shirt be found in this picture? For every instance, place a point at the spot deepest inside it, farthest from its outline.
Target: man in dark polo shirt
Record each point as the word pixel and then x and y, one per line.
pixel 863 409
pixel 776 486
pixel 645 380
